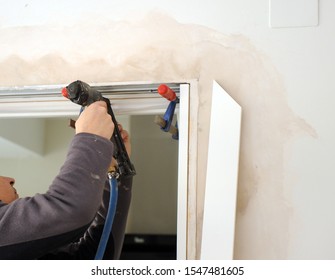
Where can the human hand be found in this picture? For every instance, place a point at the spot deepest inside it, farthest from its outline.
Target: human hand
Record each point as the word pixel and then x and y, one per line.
pixel 125 138
pixel 95 119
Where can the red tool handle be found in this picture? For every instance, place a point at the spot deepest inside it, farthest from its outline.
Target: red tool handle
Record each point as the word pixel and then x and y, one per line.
pixel 166 92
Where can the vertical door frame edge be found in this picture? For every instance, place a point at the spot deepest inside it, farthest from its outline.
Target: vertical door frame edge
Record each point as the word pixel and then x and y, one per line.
pixel 187 185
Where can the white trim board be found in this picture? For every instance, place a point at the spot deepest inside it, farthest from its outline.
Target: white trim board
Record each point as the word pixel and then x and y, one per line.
pixel 221 180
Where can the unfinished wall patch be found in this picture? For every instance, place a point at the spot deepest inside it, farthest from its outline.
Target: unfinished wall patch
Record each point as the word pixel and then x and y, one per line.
pixel 158 48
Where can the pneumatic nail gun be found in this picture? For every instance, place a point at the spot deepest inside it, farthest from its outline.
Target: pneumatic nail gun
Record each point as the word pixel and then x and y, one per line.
pixel 83 94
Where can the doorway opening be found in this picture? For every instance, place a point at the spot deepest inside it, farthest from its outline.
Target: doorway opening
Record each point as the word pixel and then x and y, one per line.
pixel 136 103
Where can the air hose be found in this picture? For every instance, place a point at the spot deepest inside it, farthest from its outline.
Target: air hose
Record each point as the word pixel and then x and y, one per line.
pixel 109 218
pixel 82 94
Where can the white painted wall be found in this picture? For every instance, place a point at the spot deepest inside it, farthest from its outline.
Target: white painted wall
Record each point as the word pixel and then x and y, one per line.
pixel 34 173
pixel 21 137
pixel 282 78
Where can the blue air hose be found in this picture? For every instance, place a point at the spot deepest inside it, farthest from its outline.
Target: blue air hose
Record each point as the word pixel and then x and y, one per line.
pixel 109 218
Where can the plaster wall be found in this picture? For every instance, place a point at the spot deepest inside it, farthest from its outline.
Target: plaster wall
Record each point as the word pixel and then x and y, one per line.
pixel 282 78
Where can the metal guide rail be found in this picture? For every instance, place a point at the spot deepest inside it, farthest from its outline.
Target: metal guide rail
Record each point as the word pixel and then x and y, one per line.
pixel 47 101
pixel 12 93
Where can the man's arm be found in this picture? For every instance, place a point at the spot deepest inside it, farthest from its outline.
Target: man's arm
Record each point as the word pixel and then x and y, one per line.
pixel 32 226
pixel 87 245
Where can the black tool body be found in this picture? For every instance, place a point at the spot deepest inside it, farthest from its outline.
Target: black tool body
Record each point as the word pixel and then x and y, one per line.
pixel 83 94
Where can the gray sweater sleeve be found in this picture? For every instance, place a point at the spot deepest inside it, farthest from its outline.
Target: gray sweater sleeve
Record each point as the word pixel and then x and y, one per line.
pixel 86 246
pixel 34 226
